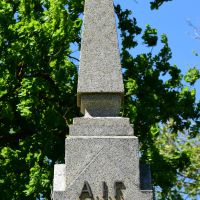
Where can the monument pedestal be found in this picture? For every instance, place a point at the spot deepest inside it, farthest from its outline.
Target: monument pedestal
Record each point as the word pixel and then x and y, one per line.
pixel 100 167
pixel 101 152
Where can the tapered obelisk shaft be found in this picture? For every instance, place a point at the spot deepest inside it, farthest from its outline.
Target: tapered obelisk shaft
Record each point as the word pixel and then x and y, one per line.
pixel 100 69
pixel 101 152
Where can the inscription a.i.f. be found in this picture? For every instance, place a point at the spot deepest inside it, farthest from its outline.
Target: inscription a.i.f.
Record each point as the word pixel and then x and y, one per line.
pixel 118 187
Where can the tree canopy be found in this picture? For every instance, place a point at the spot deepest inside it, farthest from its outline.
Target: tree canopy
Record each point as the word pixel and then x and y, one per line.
pixel 38 80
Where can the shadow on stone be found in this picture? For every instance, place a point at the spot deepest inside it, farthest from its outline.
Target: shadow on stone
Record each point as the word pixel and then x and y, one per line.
pixel 105 191
pixel 119 186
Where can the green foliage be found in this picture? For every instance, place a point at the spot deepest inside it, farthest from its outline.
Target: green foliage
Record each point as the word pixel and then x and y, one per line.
pixel 157 3
pixel 164 111
pixel 150 36
pixel 37 92
pixel 181 151
pixel 192 75
pixel 38 99
pixel 128 36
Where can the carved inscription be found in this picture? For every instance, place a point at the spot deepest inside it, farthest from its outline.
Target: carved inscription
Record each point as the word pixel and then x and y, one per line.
pixel 105 191
pixel 86 192
pixel 119 186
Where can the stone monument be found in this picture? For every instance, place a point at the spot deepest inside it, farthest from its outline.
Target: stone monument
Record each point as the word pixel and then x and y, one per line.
pixel 101 152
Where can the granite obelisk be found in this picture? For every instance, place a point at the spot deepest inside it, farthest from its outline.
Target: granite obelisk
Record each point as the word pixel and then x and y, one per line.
pixel 101 152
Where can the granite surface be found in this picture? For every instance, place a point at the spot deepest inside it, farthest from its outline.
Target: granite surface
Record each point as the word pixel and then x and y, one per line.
pixel 101 153
pixel 100 68
pixel 100 104
pixel 101 126
pixel 99 161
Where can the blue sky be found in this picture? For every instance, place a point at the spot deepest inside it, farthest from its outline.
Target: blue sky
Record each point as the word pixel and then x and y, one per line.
pixel 172 19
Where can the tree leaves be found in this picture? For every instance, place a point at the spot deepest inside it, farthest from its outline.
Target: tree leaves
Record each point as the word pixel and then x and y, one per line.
pixel 156 97
pixel 157 3
pixel 38 99
pixel 38 85
pixel 192 75
pixel 150 36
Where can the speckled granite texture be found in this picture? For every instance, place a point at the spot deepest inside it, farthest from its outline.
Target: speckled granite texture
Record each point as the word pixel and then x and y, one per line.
pixel 100 105
pixel 100 68
pixel 102 159
pixel 101 152
pixel 98 153
pixel 101 126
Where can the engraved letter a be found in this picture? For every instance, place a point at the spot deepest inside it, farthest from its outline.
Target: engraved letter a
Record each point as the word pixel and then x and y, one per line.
pixel 86 191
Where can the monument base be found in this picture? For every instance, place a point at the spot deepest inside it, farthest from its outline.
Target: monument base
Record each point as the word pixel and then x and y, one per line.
pixel 100 167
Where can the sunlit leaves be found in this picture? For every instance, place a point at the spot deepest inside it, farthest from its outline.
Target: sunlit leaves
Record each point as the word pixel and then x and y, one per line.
pixel 156 96
pixel 150 36
pixel 37 92
pixel 183 153
pixel 38 98
pixel 192 75
pixel 131 86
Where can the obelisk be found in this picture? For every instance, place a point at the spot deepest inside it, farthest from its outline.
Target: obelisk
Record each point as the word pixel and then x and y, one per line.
pixel 101 152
